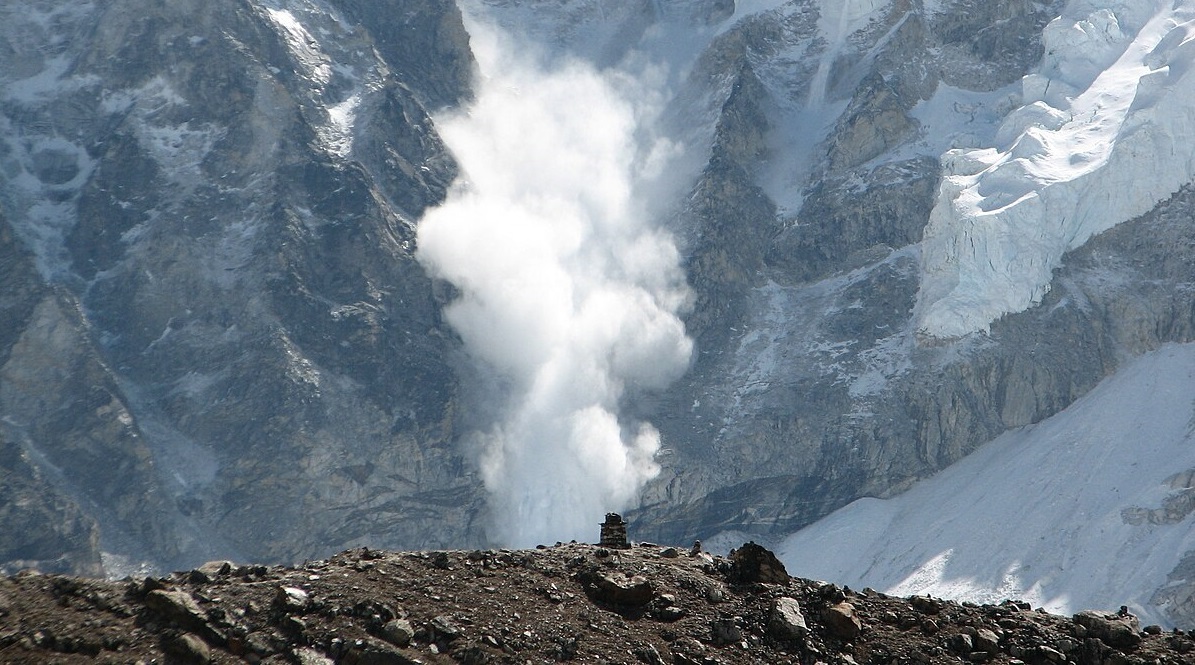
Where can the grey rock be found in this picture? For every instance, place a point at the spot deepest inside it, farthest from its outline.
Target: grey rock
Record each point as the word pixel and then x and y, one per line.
pixel 926 604
pixel 715 594
pixel 1117 630
pixel 177 606
pixel 786 621
pixel 961 643
pixel 398 632
pixel 755 563
pixel 443 628
pixel 188 648
pixel 216 568
pixel 376 652
pixel 292 599
pixel 309 656
pixel 725 630
pixel 842 621
pixel 620 589
pixel 648 654
pixel 1052 655
pixel 986 640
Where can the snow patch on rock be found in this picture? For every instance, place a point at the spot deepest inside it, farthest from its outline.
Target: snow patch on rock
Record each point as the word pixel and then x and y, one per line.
pixel 303 46
pixel 1101 138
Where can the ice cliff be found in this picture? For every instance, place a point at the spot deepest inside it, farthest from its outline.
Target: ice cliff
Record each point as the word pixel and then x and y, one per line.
pixel 1097 141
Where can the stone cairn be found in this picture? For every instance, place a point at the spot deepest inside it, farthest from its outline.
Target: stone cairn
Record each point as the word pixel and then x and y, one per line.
pixel 614 532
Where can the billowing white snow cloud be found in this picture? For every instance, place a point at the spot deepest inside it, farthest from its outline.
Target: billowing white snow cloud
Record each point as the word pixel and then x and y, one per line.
pixel 569 297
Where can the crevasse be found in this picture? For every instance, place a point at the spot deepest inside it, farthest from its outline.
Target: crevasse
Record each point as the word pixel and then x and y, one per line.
pixel 1105 131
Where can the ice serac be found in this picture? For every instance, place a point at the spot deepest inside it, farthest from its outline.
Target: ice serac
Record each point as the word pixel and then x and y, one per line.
pixel 1101 138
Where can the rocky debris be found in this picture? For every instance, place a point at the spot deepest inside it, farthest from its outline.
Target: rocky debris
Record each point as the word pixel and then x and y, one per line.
pixel 382 608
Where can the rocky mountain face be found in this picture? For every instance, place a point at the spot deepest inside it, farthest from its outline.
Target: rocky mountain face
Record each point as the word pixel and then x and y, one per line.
pixel 571 602
pixel 215 337
pixel 836 393
pixel 216 340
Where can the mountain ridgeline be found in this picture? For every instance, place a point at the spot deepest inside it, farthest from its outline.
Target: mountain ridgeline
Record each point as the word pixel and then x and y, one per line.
pixel 217 341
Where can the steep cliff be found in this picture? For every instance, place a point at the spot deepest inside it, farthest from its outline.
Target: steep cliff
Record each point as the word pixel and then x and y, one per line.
pixel 219 340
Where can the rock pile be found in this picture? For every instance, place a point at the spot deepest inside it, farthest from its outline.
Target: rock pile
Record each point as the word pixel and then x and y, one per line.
pixel 646 604
pixel 614 532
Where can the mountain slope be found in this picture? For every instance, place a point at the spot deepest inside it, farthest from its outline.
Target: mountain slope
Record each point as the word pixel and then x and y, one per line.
pixel 218 338
pixel 1082 510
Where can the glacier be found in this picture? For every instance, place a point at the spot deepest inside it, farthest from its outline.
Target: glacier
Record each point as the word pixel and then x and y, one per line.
pixel 1096 141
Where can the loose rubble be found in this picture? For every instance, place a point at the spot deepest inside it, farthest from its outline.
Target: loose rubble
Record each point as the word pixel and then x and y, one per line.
pixel 570 602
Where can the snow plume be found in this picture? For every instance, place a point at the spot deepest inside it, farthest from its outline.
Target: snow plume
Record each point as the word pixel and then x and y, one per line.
pixel 568 296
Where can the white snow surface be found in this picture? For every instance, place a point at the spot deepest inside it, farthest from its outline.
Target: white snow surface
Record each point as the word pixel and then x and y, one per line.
pixel 1036 514
pixel 1103 133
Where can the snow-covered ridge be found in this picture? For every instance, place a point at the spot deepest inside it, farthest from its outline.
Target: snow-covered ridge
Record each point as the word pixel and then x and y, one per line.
pixel 1104 134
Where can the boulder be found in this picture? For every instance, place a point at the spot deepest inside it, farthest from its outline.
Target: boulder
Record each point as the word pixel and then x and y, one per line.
pixel 842 622
pixel 619 589
pixel 755 563
pixel 398 632
pixel 786 621
pixel 444 629
pixel 961 643
pixel 187 648
pixel 986 640
pixel 291 599
pixel 1118 630
pixel 309 656
pixel 178 607
pixel 376 652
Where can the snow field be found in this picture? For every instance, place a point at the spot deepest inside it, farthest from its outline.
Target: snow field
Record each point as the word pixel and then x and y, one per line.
pixel 1038 513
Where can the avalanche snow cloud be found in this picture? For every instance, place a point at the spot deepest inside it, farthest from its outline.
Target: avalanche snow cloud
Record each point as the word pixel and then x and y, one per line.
pixel 568 297
pixel 1103 135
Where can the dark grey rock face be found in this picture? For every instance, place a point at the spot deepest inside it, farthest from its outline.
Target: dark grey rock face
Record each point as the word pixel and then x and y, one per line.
pixel 225 345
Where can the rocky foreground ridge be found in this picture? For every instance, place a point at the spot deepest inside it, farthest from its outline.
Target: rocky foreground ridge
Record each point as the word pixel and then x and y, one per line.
pixel 571 602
